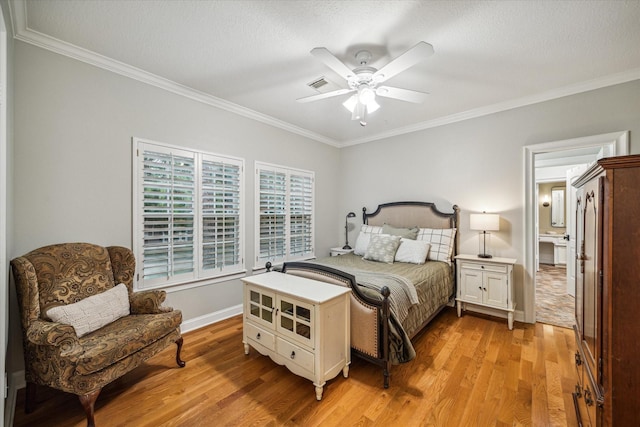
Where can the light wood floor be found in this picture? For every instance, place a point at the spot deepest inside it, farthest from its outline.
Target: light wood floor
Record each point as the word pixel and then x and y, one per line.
pixel 470 371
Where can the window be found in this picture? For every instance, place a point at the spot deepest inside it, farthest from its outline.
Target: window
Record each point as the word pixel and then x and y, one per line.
pixel 188 215
pixel 284 214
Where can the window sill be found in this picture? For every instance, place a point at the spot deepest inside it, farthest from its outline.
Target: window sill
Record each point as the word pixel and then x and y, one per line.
pixel 197 283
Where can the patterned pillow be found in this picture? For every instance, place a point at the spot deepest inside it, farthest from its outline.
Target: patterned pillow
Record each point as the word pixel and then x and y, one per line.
pixel 94 312
pixel 364 237
pixel 442 241
pixel 382 247
pixel 412 251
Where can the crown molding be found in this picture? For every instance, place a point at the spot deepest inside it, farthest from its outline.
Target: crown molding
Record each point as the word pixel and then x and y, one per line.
pixel 22 32
pixel 586 86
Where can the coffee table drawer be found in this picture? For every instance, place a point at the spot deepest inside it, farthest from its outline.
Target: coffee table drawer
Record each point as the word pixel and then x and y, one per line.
pixel 260 336
pixel 298 355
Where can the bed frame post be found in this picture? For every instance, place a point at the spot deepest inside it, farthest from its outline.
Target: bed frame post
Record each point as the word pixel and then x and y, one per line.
pixel 386 368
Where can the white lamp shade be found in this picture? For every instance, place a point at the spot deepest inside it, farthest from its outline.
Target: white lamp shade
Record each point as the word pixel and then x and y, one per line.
pixel 350 104
pixel 484 222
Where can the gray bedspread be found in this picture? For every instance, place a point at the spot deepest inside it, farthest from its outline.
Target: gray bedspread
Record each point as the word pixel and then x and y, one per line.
pixel 432 283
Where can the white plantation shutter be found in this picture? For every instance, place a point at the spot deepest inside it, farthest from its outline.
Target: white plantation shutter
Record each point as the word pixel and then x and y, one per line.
pixel 168 193
pixel 221 214
pixel 187 215
pixel 285 214
pixel 301 215
pixel 272 215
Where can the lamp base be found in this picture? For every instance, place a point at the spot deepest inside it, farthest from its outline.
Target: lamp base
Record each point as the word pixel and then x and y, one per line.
pixel 485 256
pixel 346 247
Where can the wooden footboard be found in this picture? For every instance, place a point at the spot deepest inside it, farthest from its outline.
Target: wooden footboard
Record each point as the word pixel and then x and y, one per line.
pixel 369 315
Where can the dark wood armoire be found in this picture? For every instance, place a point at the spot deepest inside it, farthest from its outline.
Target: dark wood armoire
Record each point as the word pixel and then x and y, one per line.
pixel 607 325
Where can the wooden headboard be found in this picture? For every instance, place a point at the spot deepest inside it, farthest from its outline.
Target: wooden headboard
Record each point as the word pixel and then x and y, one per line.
pixel 413 214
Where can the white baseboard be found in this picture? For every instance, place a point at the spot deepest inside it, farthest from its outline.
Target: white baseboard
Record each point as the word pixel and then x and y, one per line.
pixel 16 382
pixel 210 318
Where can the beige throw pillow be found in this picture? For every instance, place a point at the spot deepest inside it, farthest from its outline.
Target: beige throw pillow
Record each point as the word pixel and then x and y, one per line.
pixel 94 312
pixel 407 233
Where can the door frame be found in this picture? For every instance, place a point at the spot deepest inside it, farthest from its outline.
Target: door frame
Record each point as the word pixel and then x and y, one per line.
pixel 4 210
pixel 616 143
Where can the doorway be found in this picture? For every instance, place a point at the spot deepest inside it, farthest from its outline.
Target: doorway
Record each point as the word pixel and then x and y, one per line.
pixel 554 304
pixel 550 154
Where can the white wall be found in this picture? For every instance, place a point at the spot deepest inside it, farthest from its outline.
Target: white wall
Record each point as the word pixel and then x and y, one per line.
pixel 478 164
pixel 72 160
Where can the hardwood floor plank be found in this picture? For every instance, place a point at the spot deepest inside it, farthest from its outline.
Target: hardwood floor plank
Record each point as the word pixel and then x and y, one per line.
pixel 468 371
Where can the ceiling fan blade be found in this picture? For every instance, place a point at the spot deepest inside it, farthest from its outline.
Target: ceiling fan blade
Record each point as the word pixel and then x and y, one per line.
pixel 411 57
pixel 402 94
pixel 325 95
pixel 332 62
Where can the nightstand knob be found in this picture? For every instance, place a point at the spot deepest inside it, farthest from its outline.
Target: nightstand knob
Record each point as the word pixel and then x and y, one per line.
pixel 293 354
pixel 482 267
pixel 258 336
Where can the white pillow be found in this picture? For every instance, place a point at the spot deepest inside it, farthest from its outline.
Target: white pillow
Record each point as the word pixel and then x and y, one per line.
pixel 413 251
pixel 364 237
pixel 382 248
pixel 93 312
pixel 442 241
pixel 361 243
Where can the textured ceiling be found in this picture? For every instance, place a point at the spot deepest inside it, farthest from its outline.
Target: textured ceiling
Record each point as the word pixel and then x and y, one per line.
pixel 253 56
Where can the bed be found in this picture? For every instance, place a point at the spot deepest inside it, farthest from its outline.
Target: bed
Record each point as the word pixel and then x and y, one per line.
pixel 392 302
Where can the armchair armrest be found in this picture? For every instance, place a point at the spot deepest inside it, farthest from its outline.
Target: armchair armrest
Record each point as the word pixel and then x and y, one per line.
pixel 148 302
pixel 41 332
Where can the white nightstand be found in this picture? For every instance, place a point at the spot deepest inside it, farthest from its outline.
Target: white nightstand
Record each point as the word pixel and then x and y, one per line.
pixel 486 282
pixel 339 251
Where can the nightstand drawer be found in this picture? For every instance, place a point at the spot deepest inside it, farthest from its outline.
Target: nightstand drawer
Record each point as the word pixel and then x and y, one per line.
pixel 260 336
pixel 298 355
pixel 484 267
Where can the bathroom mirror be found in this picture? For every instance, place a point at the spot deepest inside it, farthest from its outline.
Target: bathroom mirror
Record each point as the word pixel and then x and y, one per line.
pixel 557 207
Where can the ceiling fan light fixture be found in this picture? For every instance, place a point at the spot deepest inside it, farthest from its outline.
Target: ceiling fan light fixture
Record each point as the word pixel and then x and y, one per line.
pixel 366 95
pixel 350 104
pixel 365 80
pixel 372 106
pixel 358 112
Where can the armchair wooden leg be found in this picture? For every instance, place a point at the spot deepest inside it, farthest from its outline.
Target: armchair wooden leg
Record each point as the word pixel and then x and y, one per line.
pixel 30 398
pixel 179 361
pixel 88 402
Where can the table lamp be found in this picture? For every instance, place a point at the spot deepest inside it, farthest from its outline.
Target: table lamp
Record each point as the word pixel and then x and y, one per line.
pixel 484 222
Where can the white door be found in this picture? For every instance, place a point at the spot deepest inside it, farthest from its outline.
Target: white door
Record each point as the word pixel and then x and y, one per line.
pixel 571 227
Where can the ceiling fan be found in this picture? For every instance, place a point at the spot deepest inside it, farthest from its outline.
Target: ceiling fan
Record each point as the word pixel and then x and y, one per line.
pixel 365 81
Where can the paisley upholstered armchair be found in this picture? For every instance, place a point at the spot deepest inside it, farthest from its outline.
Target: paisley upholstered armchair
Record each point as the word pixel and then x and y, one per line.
pixel 79 284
